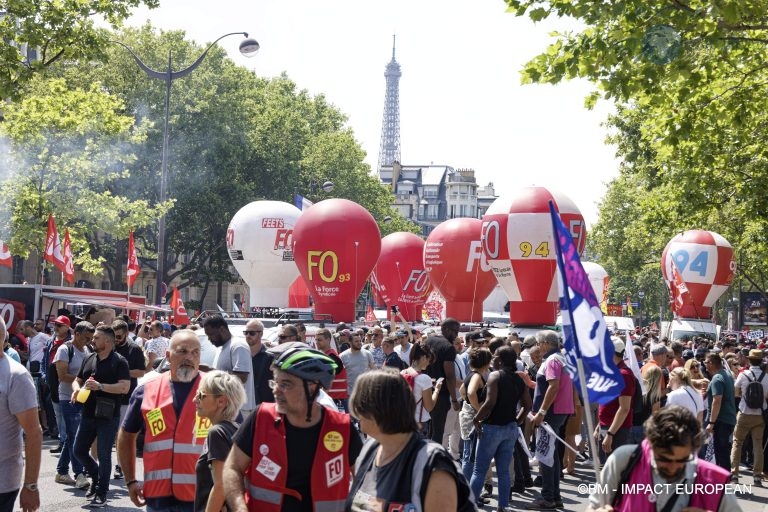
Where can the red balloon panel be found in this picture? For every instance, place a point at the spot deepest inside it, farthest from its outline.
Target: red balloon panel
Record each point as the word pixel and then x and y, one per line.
pixel 518 242
pixel 457 266
pixel 706 265
pixel 336 244
pixel 399 275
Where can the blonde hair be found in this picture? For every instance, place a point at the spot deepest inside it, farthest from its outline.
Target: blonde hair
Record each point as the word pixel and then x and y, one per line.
pixel 221 383
pixel 683 374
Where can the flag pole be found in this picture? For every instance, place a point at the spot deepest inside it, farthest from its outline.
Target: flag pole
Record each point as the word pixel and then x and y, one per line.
pixel 579 364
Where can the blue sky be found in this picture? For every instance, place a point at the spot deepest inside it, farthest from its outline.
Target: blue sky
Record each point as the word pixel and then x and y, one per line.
pixel 461 102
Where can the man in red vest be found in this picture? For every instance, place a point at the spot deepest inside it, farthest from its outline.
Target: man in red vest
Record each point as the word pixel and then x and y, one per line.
pixel 294 455
pixel 174 435
pixel 663 472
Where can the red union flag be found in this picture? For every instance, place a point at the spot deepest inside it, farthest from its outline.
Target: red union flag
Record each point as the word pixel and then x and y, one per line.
pixel 132 269
pixel 69 264
pixel 177 308
pixel 53 246
pixel 677 289
pixel 5 255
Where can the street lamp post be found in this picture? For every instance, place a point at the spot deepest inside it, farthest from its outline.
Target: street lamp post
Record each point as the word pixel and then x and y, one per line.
pixel 641 295
pixel 248 47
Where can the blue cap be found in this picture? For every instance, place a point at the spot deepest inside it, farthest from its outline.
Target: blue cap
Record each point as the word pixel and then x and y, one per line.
pixel 166 326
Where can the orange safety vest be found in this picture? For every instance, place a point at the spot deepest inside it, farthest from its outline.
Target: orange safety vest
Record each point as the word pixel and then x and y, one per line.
pixel 171 445
pixel 268 472
pixel 338 390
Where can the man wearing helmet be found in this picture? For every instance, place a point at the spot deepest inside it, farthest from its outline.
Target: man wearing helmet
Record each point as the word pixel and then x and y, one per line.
pixel 295 454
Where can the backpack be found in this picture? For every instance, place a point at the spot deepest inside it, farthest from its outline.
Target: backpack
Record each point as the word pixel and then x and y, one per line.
pixel 420 456
pixel 754 396
pixel 52 375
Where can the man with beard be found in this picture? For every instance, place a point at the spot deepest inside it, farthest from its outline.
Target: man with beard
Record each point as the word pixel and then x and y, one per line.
pixel 665 463
pixel 105 375
pixel 232 356
pixel 164 408
pixel 136 367
pixel 296 454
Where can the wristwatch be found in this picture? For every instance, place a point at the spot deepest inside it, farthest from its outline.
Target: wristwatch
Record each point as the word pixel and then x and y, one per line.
pixel 31 486
pixel 609 433
pixel 101 386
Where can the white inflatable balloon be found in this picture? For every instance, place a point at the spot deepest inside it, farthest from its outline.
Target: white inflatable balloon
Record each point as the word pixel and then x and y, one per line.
pixel 598 278
pixel 259 242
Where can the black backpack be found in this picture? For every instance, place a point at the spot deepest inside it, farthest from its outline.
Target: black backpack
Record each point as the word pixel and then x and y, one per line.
pixel 754 396
pixel 52 376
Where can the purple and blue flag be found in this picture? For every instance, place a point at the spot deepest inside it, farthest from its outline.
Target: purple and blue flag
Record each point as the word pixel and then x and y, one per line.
pixel 586 335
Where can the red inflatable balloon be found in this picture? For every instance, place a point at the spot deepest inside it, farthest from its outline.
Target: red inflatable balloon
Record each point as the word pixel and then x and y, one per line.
pixel 336 244
pixel 399 276
pixel 518 242
pixel 458 268
pixel 706 265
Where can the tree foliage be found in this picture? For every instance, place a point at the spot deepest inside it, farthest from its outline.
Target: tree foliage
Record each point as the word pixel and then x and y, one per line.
pixel 68 149
pixel 57 30
pixel 690 131
pixel 234 138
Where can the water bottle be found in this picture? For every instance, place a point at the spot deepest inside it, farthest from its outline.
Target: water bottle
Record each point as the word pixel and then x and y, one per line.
pixel 84 393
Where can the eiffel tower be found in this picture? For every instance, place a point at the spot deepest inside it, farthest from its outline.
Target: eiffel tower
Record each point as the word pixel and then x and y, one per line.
pixel 389 150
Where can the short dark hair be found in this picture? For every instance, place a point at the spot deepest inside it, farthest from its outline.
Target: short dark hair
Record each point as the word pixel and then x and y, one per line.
pixel 673 426
pixel 450 324
pixel 479 357
pixel 213 322
pixel 119 325
pixel 105 330
pixel 715 359
pixel 496 343
pixel 508 356
pixel 85 327
pixel 386 398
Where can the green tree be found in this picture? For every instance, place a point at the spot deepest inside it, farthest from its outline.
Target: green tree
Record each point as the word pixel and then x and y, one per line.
pixel 68 149
pixel 689 128
pixel 57 31
pixel 234 138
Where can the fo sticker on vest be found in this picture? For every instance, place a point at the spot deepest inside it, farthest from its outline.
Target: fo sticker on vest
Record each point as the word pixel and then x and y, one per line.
pixel 268 468
pixel 333 441
pixel 334 470
pixel 202 426
pixel 155 421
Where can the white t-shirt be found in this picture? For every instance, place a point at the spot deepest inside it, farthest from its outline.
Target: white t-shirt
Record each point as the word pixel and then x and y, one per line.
pixel 422 382
pixel 743 380
pixel 36 347
pixel 404 355
pixel 688 398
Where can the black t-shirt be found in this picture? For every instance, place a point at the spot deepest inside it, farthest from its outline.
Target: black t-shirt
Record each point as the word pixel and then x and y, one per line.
pixel 109 370
pixel 135 357
pixel 262 362
pixel 385 487
pixel 216 447
pixel 443 351
pixel 394 361
pixel 301 443
pixel 510 388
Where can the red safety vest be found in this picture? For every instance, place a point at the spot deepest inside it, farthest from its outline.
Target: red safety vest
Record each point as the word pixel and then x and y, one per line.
pixel 171 445
pixel 268 472
pixel 338 390
pixel 706 473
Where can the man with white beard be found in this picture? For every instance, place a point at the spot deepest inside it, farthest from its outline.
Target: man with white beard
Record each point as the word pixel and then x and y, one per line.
pixel 164 408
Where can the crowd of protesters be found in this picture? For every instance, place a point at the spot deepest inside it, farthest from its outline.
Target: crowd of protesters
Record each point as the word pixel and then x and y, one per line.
pixel 474 401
